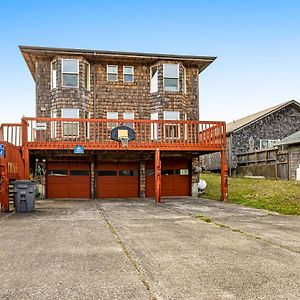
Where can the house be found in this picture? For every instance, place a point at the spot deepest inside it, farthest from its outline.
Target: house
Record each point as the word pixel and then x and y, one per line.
pixel 258 131
pixel 116 124
pixel 292 144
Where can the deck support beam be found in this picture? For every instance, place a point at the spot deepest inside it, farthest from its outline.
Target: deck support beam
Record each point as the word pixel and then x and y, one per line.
pixel 157 180
pixel 224 177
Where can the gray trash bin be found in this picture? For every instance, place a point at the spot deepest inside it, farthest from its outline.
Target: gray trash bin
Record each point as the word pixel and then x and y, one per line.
pixel 24 195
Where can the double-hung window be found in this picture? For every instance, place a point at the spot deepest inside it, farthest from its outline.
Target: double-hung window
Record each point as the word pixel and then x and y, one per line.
pixel 267 144
pixel 112 73
pixel 171 77
pixel 53 74
pixel 128 116
pixel 172 129
pixel 112 115
pixel 128 74
pixel 70 128
pixel 70 73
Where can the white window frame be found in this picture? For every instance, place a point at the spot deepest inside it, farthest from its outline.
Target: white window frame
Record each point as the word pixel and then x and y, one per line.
pixel 68 123
pixel 53 125
pixel 130 124
pixel 173 127
pixel 53 75
pixel 184 80
pixel 88 125
pixel 87 76
pixel 154 127
pixel 269 142
pixel 108 73
pixel 112 125
pixel 153 80
pixel 76 73
pixel 175 77
pixel 126 73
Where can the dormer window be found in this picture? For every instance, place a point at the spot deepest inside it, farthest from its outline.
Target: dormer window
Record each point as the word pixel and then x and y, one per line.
pixel 171 77
pixel 70 73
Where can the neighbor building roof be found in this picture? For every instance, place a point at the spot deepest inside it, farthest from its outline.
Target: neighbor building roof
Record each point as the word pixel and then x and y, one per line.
pixel 291 139
pixel 243 122
pixel 31 53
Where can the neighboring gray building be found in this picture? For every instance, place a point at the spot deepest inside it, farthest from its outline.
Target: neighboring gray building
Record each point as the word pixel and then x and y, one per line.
pixel 292 144
pixel 258 131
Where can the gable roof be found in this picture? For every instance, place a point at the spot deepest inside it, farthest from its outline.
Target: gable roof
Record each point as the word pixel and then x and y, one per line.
pixel 291 139
pixel 243 122
pixel 32 53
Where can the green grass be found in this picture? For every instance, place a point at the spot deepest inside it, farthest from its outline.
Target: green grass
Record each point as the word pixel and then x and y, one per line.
pixel 274 195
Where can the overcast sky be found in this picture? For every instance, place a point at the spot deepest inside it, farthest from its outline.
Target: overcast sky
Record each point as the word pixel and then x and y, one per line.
pixel 257 44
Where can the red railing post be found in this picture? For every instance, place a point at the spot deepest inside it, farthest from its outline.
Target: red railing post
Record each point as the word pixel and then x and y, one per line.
pixel 25 150
pixel 157 178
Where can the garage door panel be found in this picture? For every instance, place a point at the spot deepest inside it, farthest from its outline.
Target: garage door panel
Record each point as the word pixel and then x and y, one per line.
pixel 76 184
pixel 123 180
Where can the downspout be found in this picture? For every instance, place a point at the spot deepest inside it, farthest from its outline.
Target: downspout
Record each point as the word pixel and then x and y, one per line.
pixel 94 74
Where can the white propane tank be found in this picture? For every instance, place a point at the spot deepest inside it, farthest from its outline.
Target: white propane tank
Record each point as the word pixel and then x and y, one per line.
pixel 298 173
pixel 202 185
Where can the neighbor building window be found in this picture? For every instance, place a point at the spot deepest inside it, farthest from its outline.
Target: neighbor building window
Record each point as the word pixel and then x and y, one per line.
pixel 112 73
pixel 112 115
pixel 70 72
pixel 267 144
pixel 171 77
pixel 128 116
pixel 171 129
pixel 70 128
pixel 128 74
pixel 153 79
pixel 53 74
pixel 87 76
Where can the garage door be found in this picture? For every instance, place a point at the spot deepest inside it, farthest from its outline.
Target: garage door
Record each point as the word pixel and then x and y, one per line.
pixel 68 180
pixel 175 180
pixel 118 180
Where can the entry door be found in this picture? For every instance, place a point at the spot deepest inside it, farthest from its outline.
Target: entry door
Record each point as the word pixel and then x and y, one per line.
pixel 118 180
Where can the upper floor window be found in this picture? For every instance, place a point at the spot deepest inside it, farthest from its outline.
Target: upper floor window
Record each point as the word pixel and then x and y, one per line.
pixel 266 144
pixel 128 116
pixel 70 72
pixel 184 81
pixel 112 115
pixel 172 129
pixel 112 73
pixel 70 128
pixel 53 74
pixel 87 76
pixel 128 74
pixel 153 79
pixel 171 77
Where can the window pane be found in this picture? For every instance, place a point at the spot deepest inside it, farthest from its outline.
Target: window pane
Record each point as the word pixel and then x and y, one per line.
pixel 171 84
pixel 154 80
pixel 70 80
pixel 128 173
pixel 128 77
pixel 167 172
pixel 70 128
pixel 69 113
pixel 171 70
pixel 87 77
pixel 107 173
pixel 153 71
pixel 171 115
pixel 58 172
pixel 112 69
pixel 128 115
pixel 112 115
pixel 182 172
pixel 70 65
pixel 79 172
pixel 128 70
pixel 112 77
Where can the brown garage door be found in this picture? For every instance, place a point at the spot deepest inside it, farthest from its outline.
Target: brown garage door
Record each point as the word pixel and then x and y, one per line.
pixel 68 180
pixel 176 178
pixel 118 180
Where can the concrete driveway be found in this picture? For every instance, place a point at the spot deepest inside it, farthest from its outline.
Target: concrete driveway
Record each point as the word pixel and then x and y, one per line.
pixel 185 248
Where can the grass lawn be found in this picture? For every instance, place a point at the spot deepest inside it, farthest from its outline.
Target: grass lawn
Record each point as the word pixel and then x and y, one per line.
pixel 275 195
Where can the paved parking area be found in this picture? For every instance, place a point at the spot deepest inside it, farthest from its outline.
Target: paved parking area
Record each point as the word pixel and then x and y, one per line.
pixel 184 248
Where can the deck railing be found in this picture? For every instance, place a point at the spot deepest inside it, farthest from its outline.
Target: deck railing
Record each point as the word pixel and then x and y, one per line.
pixel 62 133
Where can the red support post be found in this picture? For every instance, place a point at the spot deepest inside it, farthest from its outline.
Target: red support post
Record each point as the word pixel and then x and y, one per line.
pixel 25 150
pixel 157 180
pixel 4 183
pixel 224 177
